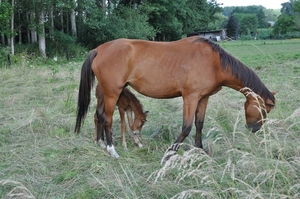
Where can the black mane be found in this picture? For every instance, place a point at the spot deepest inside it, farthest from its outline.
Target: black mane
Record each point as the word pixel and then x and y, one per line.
pixel 240 70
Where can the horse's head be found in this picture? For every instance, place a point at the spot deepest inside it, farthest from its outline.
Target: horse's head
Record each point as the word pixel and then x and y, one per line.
pixel 139 122
pixel 256 109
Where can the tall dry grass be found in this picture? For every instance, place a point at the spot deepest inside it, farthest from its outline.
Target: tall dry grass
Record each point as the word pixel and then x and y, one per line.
pixel 41 157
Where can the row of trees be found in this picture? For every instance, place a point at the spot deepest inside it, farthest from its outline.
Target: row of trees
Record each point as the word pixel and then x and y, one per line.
pixel 252 20
pixel 59 23
pixel 246 20
pixel 92 22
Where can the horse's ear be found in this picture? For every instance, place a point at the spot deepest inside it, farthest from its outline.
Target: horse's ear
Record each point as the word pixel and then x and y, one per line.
pixel 270 102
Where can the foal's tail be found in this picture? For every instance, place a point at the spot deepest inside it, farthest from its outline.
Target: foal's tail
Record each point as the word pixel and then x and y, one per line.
pixel 86 84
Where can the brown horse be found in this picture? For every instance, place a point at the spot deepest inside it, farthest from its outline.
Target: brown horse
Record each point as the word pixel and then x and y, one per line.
pixel 127 103
pixel 194 68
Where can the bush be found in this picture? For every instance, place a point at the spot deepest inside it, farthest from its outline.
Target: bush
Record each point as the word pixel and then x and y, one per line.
pixel 3 57
pixel 288 35
pixel 64 45
pixel 264 33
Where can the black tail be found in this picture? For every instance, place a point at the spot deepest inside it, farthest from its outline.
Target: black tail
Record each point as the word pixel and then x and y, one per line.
pixel 86 84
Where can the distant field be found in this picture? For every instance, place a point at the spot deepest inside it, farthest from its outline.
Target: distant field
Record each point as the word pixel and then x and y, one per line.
pixel 41 157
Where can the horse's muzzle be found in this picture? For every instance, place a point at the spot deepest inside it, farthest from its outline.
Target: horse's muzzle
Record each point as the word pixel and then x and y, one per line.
pixel 136 132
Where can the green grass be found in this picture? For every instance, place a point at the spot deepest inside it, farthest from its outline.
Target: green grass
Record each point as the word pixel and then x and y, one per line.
pixel 41 157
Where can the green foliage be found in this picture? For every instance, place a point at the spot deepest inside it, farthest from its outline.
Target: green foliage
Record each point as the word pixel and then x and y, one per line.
pixel 232 27
pixel 264 33
pixel 248 24
pixel 163 17
pixel 289 20
pixel 5 14
pixel 63 45
pixel 3 57
pixel 122 23
pixel 284 24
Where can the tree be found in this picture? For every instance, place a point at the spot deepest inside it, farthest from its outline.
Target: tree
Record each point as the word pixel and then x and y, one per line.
pixel 296 9
pixel 41 32
pixel 287 8
pixel 289 20
pixel 162 16
pixel 5 15
pixel 261 17
pixel 232 27
pixel 12 34
pixel 284 24
pixel 248 24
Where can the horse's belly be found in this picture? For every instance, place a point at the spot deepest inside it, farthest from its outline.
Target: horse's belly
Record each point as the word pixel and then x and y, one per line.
pixel 156 89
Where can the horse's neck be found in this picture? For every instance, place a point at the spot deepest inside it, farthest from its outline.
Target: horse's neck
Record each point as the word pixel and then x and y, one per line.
pixel 232 82
pixel 252 82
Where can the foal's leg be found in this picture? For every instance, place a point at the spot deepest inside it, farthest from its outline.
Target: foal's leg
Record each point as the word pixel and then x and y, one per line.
pixel 123 127
pixel 131 125
pixel 199 119
pixel 189 109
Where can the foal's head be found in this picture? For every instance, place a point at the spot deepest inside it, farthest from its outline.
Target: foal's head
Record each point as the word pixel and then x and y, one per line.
pixel 139 121
pixel 256 109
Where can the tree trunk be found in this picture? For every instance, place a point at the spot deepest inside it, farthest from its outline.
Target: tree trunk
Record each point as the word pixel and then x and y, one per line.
pixel 73 23
pixel 52 23
pixel 12 29
pixel 67 22
pixel 104 6
pixel 27 29
pixel 3 39
pixel 20 27
pixel 33 30
pixel 62 19
pixel 42 40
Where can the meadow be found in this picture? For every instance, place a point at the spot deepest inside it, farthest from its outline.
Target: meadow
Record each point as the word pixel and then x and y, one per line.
pixel 41 157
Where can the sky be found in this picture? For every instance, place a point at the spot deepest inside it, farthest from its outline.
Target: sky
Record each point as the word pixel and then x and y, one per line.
pixel 269 4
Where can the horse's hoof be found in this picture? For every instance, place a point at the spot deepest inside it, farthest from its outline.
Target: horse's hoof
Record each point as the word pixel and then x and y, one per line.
pixel 140 145
pixel 125 148
pixel 167 156
pixel 102 144
pixel 111 151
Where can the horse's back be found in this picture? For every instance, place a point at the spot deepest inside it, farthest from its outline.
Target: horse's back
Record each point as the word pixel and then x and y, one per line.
pixel 155 69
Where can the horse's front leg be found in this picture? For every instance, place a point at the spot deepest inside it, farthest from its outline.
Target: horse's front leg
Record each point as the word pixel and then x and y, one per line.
pixel 199 120
pixel 189 109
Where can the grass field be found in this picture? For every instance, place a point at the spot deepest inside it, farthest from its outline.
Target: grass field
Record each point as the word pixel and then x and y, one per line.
pixel 41 157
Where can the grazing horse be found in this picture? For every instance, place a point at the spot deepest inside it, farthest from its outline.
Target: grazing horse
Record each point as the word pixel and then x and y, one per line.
pixel 193 68
pixel 127 103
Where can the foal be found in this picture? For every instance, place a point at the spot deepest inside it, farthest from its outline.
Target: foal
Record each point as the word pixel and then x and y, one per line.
pixel 128 103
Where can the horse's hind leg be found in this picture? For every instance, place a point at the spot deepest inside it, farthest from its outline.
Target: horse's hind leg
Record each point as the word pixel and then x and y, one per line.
pixel 99 129
pixel 110 104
